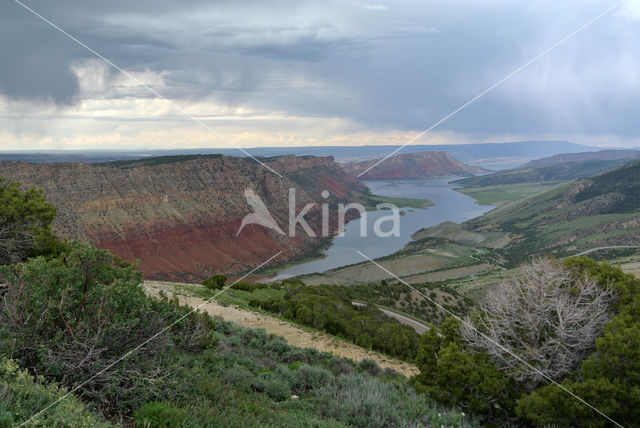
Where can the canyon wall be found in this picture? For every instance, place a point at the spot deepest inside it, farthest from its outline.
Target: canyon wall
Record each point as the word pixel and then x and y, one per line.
pixel 179 215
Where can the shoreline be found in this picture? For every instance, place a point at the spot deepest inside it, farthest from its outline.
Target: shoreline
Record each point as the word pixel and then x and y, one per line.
pixel 271 274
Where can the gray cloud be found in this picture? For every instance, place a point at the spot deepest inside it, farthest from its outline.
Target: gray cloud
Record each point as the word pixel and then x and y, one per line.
pixel 385 65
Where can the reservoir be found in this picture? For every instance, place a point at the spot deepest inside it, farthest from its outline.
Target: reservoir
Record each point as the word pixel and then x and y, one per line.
pixel 449 206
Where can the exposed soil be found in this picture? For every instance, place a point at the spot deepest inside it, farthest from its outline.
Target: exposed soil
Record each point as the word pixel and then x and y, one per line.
pixel 294 334
pixel 369 272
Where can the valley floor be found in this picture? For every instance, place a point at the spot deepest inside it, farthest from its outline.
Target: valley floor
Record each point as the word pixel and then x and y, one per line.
pixel 294 334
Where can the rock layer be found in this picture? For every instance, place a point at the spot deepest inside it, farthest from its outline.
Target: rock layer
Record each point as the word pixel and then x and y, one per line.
pixel 179 215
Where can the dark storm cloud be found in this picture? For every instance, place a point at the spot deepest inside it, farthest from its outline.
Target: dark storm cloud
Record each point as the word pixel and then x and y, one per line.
pixel 37 58
pixel 393 65
pixel 35 62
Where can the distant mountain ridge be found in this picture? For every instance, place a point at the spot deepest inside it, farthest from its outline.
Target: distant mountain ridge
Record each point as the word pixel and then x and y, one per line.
pixel 412 165
pixel 564 167
pixel 601 155
pixel 500 155
pixel 179 215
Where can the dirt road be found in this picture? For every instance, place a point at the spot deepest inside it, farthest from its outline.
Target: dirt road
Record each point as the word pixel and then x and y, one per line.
pixel 612 247
pixel 403 319
pixel 294 334
pixel 418 326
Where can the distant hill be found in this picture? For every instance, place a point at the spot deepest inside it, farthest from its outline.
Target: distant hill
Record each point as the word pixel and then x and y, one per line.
pixel 617 191
pixel 490 155
pixel 557 168
pixel 603 210
pixel 413 165
pixel 601 155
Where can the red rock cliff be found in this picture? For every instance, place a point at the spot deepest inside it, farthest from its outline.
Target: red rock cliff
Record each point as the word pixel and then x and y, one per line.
pixel 179 215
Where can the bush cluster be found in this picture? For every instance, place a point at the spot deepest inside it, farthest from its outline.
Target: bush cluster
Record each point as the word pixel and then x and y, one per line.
pixel 325 308
pixel 22 396
pixel 247 286
pixel 216 282
pixel 25 224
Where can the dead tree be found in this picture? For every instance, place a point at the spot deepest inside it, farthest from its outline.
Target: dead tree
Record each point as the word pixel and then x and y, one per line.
pixel 549 317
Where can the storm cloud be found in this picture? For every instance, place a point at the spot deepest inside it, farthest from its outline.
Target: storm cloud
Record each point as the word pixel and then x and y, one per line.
pixel 340 67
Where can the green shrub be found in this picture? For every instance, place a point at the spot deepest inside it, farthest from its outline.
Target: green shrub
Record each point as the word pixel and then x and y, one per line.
pixel 25 224
pixel 340 366
pixel 276 344
pixel 370 366
pixel 216 282
pixel 308 378
pixel 608 379
pixel 160 415
pixel 364 401
pixel 456 377
pixel 91 310
pixel 278 389
pixel 22 396
pixel 237 375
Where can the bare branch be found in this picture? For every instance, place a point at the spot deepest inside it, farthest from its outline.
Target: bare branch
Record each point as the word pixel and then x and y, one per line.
pixel 550 317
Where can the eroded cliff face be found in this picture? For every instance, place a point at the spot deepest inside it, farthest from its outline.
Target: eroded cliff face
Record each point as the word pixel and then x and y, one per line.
pixel 179 215
pixel 413 165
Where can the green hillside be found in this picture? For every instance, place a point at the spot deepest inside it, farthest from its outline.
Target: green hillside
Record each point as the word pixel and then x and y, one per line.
pixel 621 184
pixel 564 220
pixel 571 217
pixel 552 173
pixel 501 194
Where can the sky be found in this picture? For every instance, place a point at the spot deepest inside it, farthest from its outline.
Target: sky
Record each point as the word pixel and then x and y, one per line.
pixel 289 73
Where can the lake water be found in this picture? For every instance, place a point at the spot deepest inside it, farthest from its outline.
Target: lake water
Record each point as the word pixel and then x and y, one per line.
pixel 449 206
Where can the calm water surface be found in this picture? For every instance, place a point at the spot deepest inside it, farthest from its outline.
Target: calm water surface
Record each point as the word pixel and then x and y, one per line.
pixel 449 206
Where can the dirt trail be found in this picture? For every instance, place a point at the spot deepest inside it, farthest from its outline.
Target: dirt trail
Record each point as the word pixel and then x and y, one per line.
pixel 295 335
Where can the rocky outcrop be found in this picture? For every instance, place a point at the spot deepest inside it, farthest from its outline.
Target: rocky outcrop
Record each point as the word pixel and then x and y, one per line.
pixel 413 165
pixel 179 215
